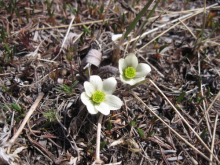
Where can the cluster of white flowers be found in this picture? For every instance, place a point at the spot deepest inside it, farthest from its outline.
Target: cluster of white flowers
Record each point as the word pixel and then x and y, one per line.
pixel 98 94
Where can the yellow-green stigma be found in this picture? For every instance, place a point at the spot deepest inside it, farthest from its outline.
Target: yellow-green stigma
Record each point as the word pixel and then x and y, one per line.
pixel 130 72
pixel 98 97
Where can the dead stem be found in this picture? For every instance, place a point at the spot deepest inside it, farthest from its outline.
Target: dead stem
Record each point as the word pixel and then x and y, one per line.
pixel 199 138
pixel 171 128
pixel 213 138
pixel 30 112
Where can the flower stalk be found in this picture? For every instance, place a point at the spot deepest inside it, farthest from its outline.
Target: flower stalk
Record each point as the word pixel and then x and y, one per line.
pixel 98 137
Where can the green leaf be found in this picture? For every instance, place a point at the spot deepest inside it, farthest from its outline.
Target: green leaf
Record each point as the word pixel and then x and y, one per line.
pixel 90 151
pixel 72 10
pixel 64 6
pixel 74 84
pixel 2 4
pixel 3 107
pixel 6 89
pixel 151 12
pixel 109 126
pixel 123 18
pixel 208 92
pixel 200 101
pixel 133 24
pixel 51 115
pixel 141 132
pixel 151 133
pixel 181 96
pixel 177 107
pixel 197 97
pixel 162 47
pixel 102 145
pixel 7 48
pixel 132 123
pixel 86 29
pixel 14 106
pixel 102 8
pixel 202 135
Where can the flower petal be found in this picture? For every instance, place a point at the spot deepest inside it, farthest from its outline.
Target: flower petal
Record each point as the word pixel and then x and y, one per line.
pixel 96 81
pixel 92 110
pixel 86 100
pixel 110 103
pixel 131 61
pixel 103 108
pixel 109 85
pixel 122 65
pixel 142 70
pixel 89 88
pixel 132 81
pixel 113 102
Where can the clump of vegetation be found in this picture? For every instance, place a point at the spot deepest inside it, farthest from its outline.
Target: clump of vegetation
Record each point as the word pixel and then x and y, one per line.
pixel 123 82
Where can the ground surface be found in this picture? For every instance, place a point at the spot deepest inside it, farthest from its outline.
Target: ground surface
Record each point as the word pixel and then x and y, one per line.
pixel 43 59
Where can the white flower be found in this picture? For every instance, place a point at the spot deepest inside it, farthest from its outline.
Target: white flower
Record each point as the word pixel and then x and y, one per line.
pixel 130 71
pixel 98 95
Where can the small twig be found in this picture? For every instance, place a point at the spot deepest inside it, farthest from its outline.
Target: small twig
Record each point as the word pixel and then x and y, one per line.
pixel 30 112
pixel 210 106
pixel 77 24
pixel 213 138
pixel 201 90
pixel 183 18
pixel 171 128
pixel 64 40
pixel 163 156
pixel 188 28
pixel 183 119
pixel 152 66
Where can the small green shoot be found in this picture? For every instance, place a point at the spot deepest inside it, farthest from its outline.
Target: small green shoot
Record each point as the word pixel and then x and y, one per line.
pixel 7 48
pixel 141 132
pixel 72 9
pixel 102 145
pixel 132 123
pixel 134 23
pixel 109 126
pixel 86 29
pixel 51 115
pixel 204 132
pixel 66 89
pixel 6 89
pixel 15 107
pixel 90 151
pixel 151 133
pixel 162 47
pixel 181 96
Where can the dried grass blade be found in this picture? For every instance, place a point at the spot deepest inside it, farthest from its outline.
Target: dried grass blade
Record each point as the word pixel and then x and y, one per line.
pixel 171 128
pixel 183 119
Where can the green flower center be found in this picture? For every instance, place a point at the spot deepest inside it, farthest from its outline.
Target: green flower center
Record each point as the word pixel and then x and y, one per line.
pixel 130 72
pixel 98 97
